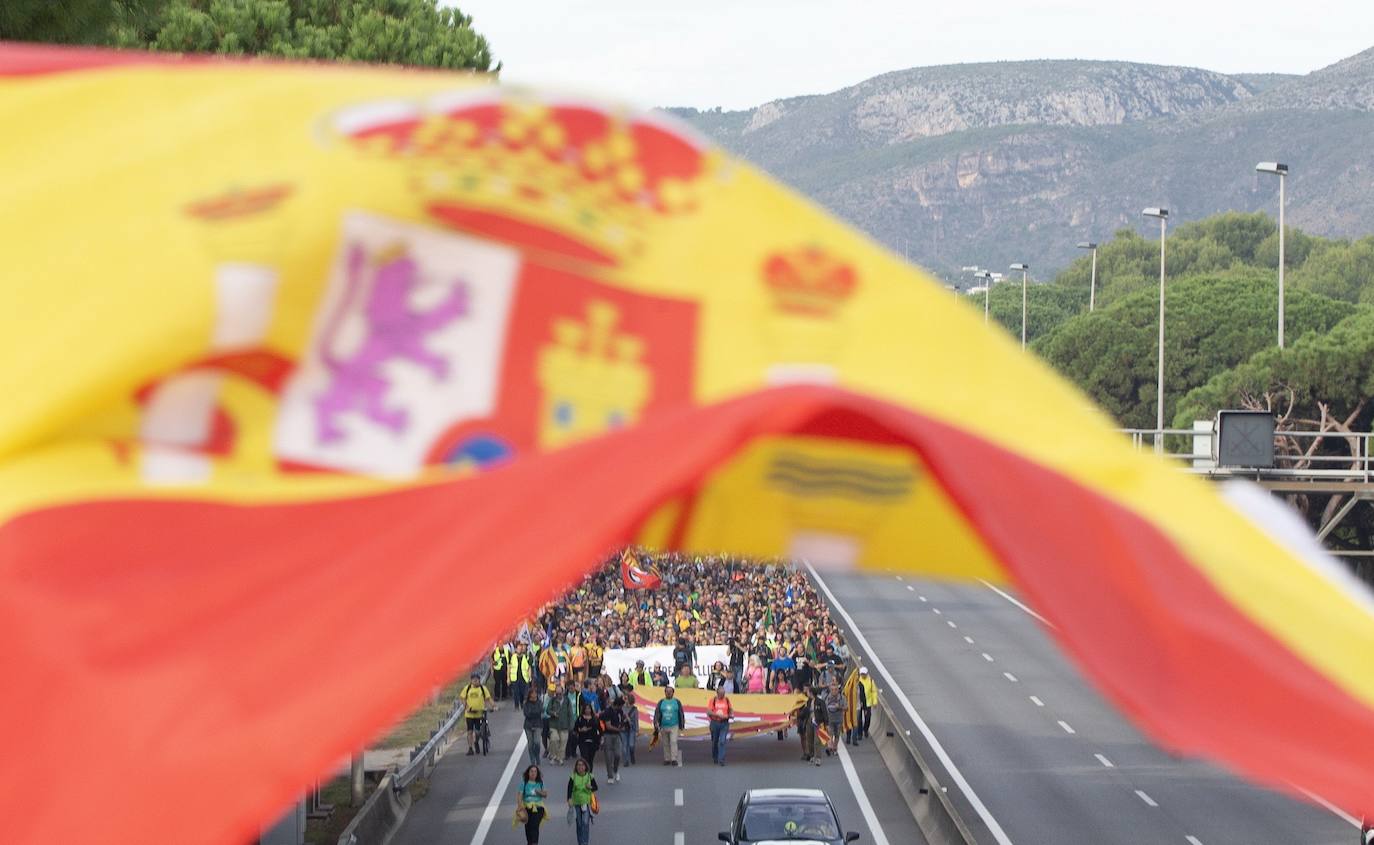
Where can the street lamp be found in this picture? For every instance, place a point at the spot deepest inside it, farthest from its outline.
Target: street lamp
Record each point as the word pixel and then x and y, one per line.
pixel 987 289
pixel 1163 215
pixel 1092 284
pixel 1281 171
pixel 1025 270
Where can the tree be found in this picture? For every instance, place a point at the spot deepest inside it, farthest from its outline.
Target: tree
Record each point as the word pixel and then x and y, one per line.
pixel 404 32
pixel 71 21
pixel 1323 382
pixel 1047 306
pixel 1212 323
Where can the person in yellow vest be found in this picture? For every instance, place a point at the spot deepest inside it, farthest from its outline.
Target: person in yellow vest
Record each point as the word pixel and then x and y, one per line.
pixel 475 698
pixel 519 672
pixel 640 677
pixel 868 696
pixel 595 656
pixel 499 656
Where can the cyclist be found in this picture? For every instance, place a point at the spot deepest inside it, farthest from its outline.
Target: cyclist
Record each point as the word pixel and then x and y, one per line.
pixel 475 697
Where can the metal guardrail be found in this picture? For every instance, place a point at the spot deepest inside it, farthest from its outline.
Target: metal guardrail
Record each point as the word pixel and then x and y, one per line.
pixel 427 754
pixel 1358 467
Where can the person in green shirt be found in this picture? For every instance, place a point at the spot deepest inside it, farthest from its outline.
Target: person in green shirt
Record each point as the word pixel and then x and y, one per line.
pixel 685 679
pixel 581 785
pixel 532 795
pixel 669 720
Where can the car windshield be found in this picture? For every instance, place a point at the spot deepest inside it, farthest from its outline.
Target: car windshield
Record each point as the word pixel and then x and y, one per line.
pixel 789 821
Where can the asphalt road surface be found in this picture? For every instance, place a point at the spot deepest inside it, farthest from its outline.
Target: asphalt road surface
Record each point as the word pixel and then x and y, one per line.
pixel 1047 757
pixel 471 799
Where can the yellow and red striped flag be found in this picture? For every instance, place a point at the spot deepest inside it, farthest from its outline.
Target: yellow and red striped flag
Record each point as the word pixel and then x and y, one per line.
pixel 295 358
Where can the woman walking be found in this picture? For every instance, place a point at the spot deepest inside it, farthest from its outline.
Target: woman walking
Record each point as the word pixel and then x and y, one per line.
pixel 533 710
pixel 532 795
pixel 581 786
pixel 587 734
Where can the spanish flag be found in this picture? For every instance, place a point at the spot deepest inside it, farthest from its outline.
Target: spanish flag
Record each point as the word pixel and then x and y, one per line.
pixel 316 377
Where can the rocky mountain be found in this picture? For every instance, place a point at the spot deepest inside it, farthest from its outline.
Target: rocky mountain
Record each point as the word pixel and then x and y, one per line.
pixel 1018 161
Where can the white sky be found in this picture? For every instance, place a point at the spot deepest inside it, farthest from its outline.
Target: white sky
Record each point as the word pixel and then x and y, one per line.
pixel 739 53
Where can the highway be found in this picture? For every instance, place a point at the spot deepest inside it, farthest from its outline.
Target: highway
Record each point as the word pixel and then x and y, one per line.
pixel 471 799
pixel 1047 757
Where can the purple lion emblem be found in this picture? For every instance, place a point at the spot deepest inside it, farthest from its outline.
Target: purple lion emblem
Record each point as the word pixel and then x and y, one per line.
pixel 395 331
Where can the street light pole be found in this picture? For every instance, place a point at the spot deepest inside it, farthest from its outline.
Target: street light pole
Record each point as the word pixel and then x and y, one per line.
pixel 1025 271
pixel 1163 215
pixel 986 276
pixel 1092 283
pixel 1280 170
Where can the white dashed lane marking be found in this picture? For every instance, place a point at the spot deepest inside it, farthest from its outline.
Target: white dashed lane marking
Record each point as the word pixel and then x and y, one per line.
pixel 1104 761
pixel 679 838
pixel 677 797
pixel 937 611
pixel 1009 676
pixel 1068 729
pixel 987 657
pixel 1192 840
pixel 1147 799
pixel 923 598
pixel 912 589
pixel 1036 701
pixel 950 623
pixel 968 640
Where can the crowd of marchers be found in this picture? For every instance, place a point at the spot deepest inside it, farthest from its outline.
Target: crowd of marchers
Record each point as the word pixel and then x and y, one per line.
pixel 779 639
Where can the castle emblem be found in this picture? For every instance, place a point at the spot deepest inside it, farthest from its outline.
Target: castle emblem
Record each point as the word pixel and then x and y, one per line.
pixel 592 377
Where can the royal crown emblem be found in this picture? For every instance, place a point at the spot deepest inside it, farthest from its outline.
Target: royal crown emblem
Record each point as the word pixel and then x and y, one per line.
pixel 809 282
pixel 592 377
pixel 568 178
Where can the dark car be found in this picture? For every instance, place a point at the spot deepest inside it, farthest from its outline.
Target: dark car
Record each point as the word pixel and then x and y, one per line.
pixel 785 815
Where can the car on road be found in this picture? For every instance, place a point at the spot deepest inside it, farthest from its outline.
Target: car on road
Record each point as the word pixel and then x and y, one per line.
pixel 791 816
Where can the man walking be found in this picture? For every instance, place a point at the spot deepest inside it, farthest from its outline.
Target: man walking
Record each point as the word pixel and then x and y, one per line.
pixel 669 720
pixel 613 723
pixel 519 672
pixel 561 716
pixel 719 712
pixel 868 696
pixel 499 655
pixel 475 698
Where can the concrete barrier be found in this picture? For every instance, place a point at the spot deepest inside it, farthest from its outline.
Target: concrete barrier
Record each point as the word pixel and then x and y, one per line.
pixel 380 817
pixel 925 796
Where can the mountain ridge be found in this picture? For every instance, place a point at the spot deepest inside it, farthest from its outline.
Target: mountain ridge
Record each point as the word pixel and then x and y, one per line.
pixel 989 163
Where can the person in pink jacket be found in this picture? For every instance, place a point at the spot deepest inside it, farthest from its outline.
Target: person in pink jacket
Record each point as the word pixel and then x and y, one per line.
pixel 754 676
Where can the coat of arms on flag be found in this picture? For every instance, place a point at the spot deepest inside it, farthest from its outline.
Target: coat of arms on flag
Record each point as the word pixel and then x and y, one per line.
pixel 636 575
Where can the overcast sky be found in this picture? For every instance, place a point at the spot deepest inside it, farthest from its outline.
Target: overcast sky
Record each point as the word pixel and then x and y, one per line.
pixel 739 53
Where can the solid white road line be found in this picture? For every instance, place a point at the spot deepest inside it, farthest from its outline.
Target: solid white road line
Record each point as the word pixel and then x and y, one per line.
pixel 1192 840
pixel 870 817
pixel 1013 600
pixel 499 793
pixel 1328 805
pixel 1009 676
pixel 1104 761
pixel 1068 729
pixel 1036 701
pixel 987 657
pixel 677 797
pixel 1147 799
pixel 999 835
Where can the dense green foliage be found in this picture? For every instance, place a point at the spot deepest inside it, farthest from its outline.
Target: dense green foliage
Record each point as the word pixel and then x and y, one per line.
pixel 1340 269
pixel 405 32
pixel 1322 382
pixel 72 21
pixel 1213 321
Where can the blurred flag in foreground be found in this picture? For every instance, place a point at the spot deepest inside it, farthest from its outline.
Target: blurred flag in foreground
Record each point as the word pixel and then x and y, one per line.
pixel 635 575
pixel 316 377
